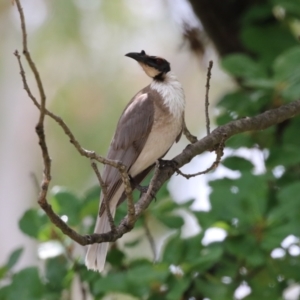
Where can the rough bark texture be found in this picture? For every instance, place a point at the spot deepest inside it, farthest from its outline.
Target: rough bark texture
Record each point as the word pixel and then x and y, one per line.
pixel 221 20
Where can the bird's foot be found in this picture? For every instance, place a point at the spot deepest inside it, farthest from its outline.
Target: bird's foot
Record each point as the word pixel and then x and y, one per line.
pixel 144 190
pixel 168 163
pixel 141 189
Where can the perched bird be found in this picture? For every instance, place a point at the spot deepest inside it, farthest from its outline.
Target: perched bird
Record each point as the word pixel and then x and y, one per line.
pixel 149 125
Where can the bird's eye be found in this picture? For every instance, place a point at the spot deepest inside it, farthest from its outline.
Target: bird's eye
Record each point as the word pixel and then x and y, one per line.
pixel 159 61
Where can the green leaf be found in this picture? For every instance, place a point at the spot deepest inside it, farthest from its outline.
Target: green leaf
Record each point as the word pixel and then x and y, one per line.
pixel 291 7
pixel 208 257
pixel 241 65
pixel 291 131
pixel 68 204
pixel 163 192
pixel 288 197
pixel 14 257
pixel 287 73
pixel 290 193
pixel 187 204
pixel 90 204
pixel 133 243
pixel 56 271
pixel 244 103
pixel 257 13
pixel 253 196
pixel 170 221
pixel 223 118
pixel 273 236
pixel 174 250
pixel 32 222
pixel 240 140
pixel 238 163
pixel 243 198
pixel 177 288
pixel 4 292
pixel 116 282
pixel 192 251
pixel 121 212
pixel 205 219
pixel 245 247
pixel 222 189
pixel 263 40
pixel 286 155
pixel 213 288
pixel 141 276
pixel 165 205
pixel 3 271
pixel 115 257
pixel 26 285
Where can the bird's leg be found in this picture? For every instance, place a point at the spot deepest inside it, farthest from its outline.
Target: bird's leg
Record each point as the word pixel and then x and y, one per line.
pixel 168 163
pixel 141 189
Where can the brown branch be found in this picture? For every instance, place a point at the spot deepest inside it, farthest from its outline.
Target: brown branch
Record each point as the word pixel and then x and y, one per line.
pixel 31 63
pixel 104 194
pixel 40 125
pixel 193 139
pixel 219 153
pixel 207 86
pixel 130 203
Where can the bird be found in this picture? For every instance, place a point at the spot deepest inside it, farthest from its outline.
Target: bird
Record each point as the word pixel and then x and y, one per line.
pixel 149 125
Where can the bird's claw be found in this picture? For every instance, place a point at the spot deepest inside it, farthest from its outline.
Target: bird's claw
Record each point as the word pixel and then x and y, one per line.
pixel 168 163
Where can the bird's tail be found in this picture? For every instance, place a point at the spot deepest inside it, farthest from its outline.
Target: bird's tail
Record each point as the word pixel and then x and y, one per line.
pixel 96 254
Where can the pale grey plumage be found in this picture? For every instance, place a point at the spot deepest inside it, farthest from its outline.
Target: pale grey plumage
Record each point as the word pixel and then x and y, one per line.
pixel 147 128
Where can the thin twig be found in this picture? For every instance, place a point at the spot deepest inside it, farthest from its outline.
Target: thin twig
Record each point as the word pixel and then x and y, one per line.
pixel 193 139
pixel 40 125
pixel 219 153
pixel 31 63
pixel 104 194
pixel 206 96
pixel 150 238
pixel 130 202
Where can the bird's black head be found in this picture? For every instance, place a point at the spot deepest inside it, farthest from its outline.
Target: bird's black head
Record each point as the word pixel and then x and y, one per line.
pixel 154 66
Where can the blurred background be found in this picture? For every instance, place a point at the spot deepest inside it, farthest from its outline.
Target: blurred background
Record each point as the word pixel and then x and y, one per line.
pixel 226 235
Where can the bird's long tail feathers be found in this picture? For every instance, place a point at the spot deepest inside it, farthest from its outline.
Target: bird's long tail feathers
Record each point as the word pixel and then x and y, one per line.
pixel 96 254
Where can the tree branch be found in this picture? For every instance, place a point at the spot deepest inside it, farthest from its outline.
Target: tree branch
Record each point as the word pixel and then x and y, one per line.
pixel 104 193
pixel 207 86
pixel 219 153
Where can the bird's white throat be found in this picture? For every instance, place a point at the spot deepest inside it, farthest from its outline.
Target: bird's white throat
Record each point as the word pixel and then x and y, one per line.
pixel 172 93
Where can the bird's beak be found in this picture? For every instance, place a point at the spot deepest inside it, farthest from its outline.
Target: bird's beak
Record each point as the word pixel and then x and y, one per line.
pixel 138 56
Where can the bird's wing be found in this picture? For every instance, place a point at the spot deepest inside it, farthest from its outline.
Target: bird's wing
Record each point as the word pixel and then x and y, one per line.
pixel 130 137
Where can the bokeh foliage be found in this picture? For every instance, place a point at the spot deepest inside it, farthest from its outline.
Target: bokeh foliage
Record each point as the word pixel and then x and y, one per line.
pixel 257 211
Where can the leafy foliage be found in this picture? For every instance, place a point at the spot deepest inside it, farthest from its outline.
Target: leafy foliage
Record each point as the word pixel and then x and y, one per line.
pixel 257 211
